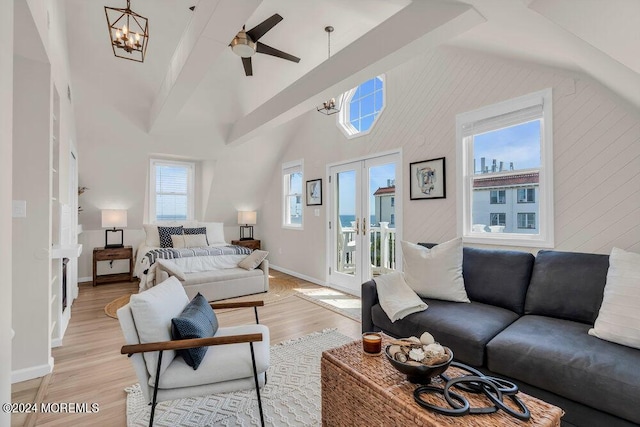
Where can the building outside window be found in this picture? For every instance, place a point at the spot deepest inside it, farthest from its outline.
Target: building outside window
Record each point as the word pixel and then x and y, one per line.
pixel 505 158
pixel 526 195
pixel 361 107
pixel 498 219
pixel 527 220
pixel 497 197
pixel 171 196
pixel 292 179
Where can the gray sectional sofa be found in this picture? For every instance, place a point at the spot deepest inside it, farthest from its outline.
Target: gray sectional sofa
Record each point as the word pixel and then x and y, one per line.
pixel 528 321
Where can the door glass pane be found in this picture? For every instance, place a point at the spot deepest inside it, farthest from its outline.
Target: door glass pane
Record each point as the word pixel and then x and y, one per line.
pixel 381 219
pixel 346 229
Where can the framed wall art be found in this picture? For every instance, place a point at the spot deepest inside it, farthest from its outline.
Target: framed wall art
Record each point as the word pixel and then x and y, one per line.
pixel 427 179
pixel 314 192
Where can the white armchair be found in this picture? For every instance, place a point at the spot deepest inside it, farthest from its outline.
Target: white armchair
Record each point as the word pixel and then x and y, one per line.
pixel 239 360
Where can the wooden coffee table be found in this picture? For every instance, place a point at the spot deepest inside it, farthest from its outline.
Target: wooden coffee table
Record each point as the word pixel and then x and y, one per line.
pixel 359 390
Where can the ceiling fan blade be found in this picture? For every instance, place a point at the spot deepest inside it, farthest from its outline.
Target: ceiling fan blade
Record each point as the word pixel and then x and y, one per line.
pixel 248 68
pixel 261 29
pixel 268 50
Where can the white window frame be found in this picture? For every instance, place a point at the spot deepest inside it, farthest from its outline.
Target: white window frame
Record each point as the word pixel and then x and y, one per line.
pixel 498 202
pixel 498 217
pixel 287 169
pixel 465 173
pixel 526 216
pixel 527 190
pixel 343 122
pixel 191 167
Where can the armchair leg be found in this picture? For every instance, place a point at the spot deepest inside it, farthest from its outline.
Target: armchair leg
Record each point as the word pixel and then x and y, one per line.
pixel 255 378
pixel 155 388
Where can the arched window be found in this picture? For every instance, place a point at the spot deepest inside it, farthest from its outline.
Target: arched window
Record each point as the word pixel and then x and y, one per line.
pixel 361 107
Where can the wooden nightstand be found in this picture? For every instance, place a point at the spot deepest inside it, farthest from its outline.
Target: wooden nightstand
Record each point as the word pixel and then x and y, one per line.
pixel 110 254
pixel 251 244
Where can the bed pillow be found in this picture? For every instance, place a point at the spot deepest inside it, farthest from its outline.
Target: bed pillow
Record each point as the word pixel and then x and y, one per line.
pixel 165 234
pixel 253 260
pixel 196 230
pixel 177 241
pixel 618 320
pixel 152 237
pixel 195 240
pixel 215 232
pixel 197 320
pixel 436 272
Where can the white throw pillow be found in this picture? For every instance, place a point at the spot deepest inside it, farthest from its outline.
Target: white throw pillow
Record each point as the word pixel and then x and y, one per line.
pixel 178 241
pixel 436 272
pixel 215 232
pixel 619 318
pixel 194 241
pixel 152 311
pixel 152 237
pixel 253 260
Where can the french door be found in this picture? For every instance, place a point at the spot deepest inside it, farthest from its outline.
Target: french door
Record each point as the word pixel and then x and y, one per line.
pixel 365 206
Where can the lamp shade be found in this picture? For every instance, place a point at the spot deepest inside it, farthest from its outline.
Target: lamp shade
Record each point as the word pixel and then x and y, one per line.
pixel 247 217
pixel 114 218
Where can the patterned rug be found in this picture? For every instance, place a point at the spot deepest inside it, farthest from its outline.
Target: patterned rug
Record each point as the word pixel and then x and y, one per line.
pixel 291 396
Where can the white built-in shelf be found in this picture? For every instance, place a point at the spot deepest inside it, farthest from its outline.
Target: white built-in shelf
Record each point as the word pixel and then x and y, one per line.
pixel 66 251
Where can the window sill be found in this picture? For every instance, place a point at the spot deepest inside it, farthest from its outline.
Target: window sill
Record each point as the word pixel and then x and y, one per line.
pixel 293 227
pixel 508 239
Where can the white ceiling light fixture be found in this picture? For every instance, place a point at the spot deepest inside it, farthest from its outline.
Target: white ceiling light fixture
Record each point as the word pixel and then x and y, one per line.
pixel 129 33
pixel 330 107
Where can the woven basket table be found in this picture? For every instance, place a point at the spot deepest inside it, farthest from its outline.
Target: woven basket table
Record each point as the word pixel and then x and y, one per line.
pixel 360 390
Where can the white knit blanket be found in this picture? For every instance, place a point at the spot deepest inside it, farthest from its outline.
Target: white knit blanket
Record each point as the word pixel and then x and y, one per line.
pixel 396 298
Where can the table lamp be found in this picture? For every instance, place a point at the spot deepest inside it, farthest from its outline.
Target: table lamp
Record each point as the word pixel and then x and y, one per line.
pixel 248 218
pixel 114 218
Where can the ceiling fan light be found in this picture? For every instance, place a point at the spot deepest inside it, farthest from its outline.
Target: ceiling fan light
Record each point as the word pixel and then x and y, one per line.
pixel 242 45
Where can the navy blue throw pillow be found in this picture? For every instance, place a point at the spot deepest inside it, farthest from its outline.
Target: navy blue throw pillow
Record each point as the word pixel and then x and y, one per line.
pixel 165 234
pixel 197 230
pixel 197 320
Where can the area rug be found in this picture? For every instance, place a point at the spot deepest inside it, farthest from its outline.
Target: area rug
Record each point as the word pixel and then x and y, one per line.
pixel 280 287
pixel 291 396
pixel 345 304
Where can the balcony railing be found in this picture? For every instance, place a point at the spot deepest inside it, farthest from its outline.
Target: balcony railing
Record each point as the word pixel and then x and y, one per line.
pixel 382 249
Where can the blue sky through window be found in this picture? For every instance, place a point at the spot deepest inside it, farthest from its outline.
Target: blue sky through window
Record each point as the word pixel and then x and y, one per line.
pixel 519 144
pixel 365 104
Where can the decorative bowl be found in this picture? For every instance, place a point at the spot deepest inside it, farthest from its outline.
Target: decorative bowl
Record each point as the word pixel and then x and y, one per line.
pixel 419 374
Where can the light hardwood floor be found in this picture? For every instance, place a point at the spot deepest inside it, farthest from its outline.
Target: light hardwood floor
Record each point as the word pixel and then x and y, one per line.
pixel 89 367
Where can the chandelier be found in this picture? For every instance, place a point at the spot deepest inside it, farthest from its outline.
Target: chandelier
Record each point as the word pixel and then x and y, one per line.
pixel 129 33
pixel 331 106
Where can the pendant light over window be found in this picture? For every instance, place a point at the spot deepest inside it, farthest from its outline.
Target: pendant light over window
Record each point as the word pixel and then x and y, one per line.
pixel 329 107
pixel 128 32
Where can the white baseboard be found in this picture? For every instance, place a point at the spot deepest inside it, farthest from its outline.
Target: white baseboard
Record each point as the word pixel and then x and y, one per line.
pixel 32 372
pixel 56 342
pixel 85 279
pixel 298 275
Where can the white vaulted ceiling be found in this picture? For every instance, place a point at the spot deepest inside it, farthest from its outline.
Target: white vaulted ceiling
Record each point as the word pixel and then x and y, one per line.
pixel 192 83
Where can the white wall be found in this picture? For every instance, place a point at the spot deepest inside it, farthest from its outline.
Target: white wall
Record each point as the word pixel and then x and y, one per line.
pixel 6 147
pixel 596 151
pixel 31 235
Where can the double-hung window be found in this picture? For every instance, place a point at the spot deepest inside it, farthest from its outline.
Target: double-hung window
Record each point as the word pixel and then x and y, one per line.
pixel 292 173
pixel 505 157
pixel 171 195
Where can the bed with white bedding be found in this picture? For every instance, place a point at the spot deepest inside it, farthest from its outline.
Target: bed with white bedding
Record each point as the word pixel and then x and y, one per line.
pixel 218 255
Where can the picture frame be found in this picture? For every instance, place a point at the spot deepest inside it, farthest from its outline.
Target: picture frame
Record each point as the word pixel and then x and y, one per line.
pixel 314 192
pixel 427 179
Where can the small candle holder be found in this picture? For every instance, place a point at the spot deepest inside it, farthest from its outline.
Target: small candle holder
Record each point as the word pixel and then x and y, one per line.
pixel 372 343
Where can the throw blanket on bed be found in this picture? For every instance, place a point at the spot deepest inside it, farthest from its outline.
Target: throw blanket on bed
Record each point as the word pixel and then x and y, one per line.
pixel 172 253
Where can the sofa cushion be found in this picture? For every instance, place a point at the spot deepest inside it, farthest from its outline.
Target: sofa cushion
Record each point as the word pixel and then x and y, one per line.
pixel 171 268
pixel 619 316
pixel 465 328
pixel 220 275
pixel 559 356
pixel 567 285
pixel 497 277
pixel 222 363
pixel 197 320
pixel 152 311
pixel 435 272
pixel 253 260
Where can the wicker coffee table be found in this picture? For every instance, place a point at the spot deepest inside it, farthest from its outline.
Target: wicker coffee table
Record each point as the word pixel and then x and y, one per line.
pixel 359 390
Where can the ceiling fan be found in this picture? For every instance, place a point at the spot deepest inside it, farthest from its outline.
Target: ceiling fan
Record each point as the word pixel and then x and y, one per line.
pixel 245 44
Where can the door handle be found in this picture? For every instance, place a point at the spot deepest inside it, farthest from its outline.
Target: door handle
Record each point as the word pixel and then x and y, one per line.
pixel 357 226
pixel 364 226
